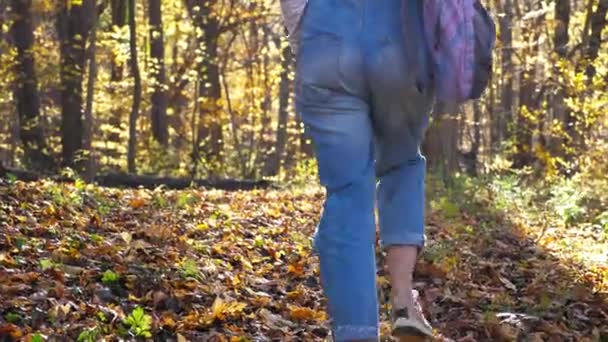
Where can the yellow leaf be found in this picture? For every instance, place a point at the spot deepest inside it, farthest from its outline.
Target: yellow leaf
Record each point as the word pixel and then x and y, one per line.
pixel 168 321
pixel 303 314
pixel 127 237
pixel 296 269
pixel 221 310
pixel 7 260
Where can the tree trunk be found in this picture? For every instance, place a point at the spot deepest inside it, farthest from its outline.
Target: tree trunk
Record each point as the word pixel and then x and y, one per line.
pixel 136 88
pixel 441 142
pixel 560 47
pixel 26 89
pixel 265 145
pixel 157 55
pixel 274 166
pixel 87 139
pixel 472 156
pixel 209 136
pixel 598 22
pixel 119 19
pixel 528 104
pixel 501 129
pixel 73 25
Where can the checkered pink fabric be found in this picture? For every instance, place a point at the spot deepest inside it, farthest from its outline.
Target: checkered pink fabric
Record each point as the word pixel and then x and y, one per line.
pixel 461 37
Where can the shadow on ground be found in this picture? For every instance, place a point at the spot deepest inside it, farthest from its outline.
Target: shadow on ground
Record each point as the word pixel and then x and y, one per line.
pixel 483 278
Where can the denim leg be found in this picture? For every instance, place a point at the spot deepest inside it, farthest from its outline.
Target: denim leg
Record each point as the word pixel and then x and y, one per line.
pixel 400 115
pixel 401 203
pixel 340 129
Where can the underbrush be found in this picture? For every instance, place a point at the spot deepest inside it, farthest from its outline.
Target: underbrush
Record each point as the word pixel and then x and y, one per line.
pixel 567 216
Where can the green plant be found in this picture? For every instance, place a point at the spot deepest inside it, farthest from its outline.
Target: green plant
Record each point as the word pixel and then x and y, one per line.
pixel 96 238
pixel 89 335
pixel 37 338
pixel 565 201
pixel 101 316
pixel 46 264
pixel 189 268
pixel 139 323
pixel 109 277
pixel 12 317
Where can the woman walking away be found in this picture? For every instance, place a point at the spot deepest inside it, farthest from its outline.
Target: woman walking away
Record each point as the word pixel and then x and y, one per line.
pixel 366 116
pixel 366 80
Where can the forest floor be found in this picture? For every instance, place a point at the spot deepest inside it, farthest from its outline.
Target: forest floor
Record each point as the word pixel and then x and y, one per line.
pixel 81 262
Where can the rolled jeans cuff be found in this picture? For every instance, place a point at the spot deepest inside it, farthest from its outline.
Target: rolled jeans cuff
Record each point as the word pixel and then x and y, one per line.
pixel 354 332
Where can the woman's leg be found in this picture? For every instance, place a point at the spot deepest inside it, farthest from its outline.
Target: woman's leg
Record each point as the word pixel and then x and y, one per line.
pixel 401 212
pixel 339 126
pixel 401 261
pixel 400 116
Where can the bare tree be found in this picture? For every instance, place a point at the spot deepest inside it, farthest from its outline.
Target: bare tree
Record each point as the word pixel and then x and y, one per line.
pixel 209 131
pixel 136 88
pixel 276 159
pixel 87 139
pixel 74 23
pixel 26 88
pixel 157 55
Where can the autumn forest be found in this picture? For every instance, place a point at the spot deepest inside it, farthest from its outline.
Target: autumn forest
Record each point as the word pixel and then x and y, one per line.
pixel 156 182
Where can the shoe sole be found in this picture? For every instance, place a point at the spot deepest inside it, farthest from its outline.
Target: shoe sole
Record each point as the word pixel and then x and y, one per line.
pixel 409 334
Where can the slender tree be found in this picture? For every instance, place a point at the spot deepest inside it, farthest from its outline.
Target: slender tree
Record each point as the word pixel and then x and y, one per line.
pixel 441 143
pixel 501 122
pixel 209 128
pixel 276 159
pixel 157 55
pixel 26 88
pixel 74 22
pixel 561 39
pixel 119 20
pixel 136 88
pixel 87 141
pixel 528 94
pixel 598 23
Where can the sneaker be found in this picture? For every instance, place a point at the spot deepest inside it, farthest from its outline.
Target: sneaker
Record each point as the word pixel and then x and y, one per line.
pixel 406 324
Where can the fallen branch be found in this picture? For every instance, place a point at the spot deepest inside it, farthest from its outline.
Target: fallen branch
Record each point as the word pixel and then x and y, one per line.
pixel 126 180
pixel 133 181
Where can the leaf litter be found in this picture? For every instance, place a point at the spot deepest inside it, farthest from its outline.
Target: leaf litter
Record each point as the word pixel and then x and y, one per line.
pixel 86 263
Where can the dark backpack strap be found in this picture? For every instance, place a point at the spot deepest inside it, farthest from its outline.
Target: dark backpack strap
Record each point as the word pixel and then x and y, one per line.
pixel 418 54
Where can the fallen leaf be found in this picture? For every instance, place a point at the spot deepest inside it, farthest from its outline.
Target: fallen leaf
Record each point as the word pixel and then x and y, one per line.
pixel 127 237
pixel 507 283
pixel 137 203
pixel 304 313
pixel 10 330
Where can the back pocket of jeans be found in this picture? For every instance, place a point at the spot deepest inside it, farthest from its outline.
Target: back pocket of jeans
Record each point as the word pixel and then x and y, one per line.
pixel 318 67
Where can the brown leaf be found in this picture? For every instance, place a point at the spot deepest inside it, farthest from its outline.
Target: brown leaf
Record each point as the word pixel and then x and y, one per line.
pixel 14 289
pixel 137 203
pixel 426 269
pixel 507 283
pixel 10 330
pixel 159 298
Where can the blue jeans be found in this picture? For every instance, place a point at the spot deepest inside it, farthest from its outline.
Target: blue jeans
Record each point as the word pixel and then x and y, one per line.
pixel 360 105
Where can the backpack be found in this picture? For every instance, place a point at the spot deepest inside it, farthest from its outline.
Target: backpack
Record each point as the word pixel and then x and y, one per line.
pixel 454 41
